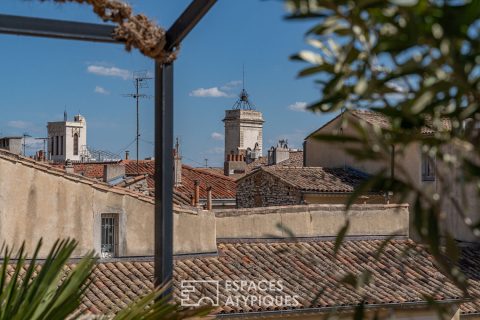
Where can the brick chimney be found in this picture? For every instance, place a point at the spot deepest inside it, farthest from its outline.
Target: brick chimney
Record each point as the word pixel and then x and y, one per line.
pixel 112 171
pixel 196 195
pixel 69 168
pixel 209 198
pixel 177 166
pixel 278 154
pixel 235 164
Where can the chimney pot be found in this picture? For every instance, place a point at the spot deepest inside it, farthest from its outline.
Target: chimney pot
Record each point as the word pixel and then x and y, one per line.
pixel 127 154
pixel 69 168
pixel 197 193
pixel 209 198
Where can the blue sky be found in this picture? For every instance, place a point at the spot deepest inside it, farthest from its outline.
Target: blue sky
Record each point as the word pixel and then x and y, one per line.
pixel 40 77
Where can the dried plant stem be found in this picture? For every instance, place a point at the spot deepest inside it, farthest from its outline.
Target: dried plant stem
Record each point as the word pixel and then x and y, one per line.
pixel 136 30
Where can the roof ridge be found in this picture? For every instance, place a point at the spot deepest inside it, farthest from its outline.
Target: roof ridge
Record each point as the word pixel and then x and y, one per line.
pixel 208 173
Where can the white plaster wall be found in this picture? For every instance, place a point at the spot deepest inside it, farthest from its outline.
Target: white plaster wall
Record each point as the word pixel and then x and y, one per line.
pixel 317 220
pixel 37 203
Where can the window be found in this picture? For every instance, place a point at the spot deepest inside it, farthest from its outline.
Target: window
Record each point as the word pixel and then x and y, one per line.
pixel 109 229
pixel 61 145
pixel 56 145
pixel 428 167
pixel 75 144
pixel 52 146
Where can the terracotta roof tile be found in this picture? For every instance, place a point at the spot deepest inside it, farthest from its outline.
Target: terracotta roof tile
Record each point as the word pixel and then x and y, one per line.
pixel 318 179
pixel 470 265
pixel 222 187
pixel 404 274
pixel 295 160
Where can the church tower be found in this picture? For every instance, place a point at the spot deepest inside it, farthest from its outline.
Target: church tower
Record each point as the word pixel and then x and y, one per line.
pixel 243 131
pixel 67 139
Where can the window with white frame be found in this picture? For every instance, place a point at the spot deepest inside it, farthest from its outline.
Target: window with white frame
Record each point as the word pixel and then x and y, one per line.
pixel 428 167
pixel 109 237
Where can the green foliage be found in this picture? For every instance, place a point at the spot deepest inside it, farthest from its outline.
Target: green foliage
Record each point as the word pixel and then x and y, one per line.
pixel 36 289
pixel 417 62
pixel 45 290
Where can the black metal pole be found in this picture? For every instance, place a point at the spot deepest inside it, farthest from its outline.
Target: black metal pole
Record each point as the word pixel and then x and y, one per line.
pixel 50 28
pixel 163 173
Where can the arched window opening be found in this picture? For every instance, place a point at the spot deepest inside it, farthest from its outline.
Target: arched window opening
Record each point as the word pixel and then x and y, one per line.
pixel 75 144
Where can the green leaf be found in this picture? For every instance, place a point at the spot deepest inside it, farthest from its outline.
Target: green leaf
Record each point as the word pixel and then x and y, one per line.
pixel 340 236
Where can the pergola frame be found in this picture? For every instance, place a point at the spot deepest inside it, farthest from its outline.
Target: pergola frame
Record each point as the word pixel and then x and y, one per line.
pixel 71 30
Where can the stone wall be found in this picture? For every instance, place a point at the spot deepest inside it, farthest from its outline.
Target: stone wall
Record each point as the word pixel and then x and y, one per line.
pixel 38 201
pixel 312 221
pixel 261 189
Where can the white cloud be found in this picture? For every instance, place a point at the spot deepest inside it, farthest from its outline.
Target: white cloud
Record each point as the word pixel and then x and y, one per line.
pixel 231 85
pixel 101 90
pixel 223 91
pixel 109 71
pixel 299 106
pixel 19 124
pixel 217 136
pixel 213 92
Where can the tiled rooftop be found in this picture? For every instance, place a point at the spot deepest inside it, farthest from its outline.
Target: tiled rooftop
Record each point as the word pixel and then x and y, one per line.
pixel 380 120
pixel 222 187
pixel 470 265
pixel 318 179
pixel 373 118
pixel 295 160
pixel 92 170
pixel 403 275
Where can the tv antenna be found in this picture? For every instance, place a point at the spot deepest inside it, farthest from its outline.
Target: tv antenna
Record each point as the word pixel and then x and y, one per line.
pixel 24 144
pixel 140 79
pixel 45 157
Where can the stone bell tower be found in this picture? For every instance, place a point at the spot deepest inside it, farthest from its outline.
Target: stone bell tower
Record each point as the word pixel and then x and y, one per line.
pixel 243 131
pixel 66 139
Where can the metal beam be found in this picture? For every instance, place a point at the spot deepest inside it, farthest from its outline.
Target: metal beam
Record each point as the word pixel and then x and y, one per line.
pixel 49 28
pixel 163 173
pixel 164 142
pixel 187 21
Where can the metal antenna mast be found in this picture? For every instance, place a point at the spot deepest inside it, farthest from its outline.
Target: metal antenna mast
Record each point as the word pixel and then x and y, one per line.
pixel 45 157
pixel 25 136
pixel 140 79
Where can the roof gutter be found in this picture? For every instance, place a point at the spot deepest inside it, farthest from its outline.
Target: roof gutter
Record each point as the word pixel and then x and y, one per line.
pixel 294 312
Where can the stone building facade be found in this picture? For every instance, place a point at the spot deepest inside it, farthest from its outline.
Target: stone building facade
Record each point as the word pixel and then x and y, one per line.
pixel 39 201
pixel 12 144
pixel 243 131
pixel 282 185
pixel 263 189
pixel 67 140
